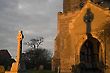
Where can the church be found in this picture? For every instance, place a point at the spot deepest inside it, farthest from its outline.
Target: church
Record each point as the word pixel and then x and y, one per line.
pixel 82 44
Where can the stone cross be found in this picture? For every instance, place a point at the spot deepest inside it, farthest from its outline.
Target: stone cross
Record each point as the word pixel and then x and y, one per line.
pixel 19 47
pixel 88 18
pixel 15 66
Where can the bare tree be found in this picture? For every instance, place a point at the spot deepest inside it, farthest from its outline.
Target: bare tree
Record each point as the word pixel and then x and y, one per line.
pixel 35 42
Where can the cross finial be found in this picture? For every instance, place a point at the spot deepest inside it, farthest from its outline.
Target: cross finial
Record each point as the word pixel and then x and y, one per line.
pixel 88 18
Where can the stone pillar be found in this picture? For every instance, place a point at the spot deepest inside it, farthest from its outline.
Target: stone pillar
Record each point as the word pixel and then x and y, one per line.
pixel 19 47
pixel 16 65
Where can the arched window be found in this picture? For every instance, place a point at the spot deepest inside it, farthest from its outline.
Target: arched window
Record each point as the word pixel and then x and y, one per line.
pixel 89 54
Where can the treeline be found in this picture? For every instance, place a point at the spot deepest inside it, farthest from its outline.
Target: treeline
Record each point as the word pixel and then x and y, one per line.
pixel 35 58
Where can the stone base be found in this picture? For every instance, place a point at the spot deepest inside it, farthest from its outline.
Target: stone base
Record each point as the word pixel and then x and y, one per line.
pixel 10 72
pixel 14 72
pixel 65 71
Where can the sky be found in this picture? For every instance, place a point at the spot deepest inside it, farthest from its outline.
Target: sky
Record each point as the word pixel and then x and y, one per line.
pixel 34 17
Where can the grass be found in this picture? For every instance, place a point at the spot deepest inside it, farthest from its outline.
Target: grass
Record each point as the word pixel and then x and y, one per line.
pixel 42 71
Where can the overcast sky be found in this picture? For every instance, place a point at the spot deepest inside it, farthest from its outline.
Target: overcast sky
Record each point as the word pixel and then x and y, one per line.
pixel 34 17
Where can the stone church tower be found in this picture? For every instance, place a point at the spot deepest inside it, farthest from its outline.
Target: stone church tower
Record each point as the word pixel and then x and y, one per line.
pixel 82 44
pixel 70 5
